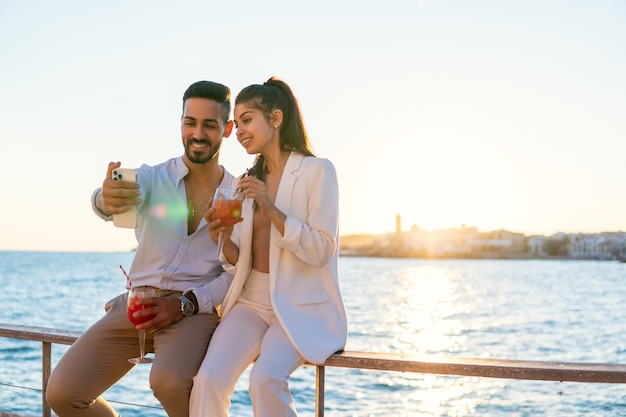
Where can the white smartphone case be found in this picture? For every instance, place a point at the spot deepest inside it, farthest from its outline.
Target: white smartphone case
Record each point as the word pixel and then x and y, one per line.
pixel 127 219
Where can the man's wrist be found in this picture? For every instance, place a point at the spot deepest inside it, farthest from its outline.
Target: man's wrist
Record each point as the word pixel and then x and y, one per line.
pixel 98 201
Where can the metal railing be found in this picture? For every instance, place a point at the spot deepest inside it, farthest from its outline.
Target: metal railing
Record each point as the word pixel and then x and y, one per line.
pixel 488 368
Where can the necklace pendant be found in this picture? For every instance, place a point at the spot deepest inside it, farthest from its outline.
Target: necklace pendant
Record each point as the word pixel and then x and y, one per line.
pixel 191 208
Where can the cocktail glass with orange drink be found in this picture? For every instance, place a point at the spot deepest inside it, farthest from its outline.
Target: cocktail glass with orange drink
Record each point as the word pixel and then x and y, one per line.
pixel 227 205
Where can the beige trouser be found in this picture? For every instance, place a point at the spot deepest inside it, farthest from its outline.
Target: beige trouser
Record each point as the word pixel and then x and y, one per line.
pixel 99 358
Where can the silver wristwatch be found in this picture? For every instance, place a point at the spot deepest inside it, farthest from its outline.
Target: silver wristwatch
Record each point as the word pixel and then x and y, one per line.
pixel 186 306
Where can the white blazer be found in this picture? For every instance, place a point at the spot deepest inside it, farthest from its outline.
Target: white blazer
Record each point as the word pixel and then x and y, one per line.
pixel 304 284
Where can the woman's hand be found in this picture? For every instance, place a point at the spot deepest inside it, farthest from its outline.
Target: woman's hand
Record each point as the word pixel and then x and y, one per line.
pixel 254 188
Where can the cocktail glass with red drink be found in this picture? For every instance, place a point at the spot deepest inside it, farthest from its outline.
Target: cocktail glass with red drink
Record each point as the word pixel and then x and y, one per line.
pixel 131 307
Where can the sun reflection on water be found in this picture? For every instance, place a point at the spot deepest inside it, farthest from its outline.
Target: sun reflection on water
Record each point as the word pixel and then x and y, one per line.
pixel 426 317
pixel 533 310
pixel 423 318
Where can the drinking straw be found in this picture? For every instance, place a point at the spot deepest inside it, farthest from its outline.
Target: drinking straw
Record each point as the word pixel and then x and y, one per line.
pixel 127 277
pixel 245 174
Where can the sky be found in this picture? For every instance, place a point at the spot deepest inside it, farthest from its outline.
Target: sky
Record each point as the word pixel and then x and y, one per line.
pixel 491 114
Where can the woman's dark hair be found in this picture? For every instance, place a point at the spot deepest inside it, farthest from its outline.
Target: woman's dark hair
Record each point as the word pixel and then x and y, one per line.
pixel 275 94
pixel 212 91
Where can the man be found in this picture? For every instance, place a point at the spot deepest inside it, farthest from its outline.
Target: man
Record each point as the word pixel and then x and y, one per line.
pixel 175 255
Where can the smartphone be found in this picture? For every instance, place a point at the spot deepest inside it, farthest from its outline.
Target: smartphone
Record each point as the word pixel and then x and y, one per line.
pixel 127 219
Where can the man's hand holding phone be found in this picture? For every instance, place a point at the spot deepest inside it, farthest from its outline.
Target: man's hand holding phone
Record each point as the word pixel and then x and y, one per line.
pixel 120 195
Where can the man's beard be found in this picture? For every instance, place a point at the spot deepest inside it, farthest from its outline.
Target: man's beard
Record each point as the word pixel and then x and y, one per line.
pixel 194 156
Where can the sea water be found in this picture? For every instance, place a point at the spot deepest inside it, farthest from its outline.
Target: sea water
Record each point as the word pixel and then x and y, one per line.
pixel 509 309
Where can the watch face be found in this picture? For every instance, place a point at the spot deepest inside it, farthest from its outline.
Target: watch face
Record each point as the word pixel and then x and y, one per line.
pixel 188 308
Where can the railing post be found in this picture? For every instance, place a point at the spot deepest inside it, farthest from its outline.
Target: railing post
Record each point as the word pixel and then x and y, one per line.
pixel 46 365
pixel 320 372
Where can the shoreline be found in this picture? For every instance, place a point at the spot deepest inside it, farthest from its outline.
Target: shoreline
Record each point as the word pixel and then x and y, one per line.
pixel 8 414
pixel 480 257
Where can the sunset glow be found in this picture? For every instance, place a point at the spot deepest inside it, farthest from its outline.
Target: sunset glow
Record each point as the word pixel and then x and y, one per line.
pixel 489 114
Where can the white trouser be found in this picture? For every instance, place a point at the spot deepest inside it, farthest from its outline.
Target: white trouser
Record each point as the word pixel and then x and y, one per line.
pixel 249 331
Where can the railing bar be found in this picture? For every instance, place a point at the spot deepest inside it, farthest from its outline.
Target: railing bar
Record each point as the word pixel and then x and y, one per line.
pixel 489 368
pixel 39 334
pixel 456 366
pixel 320 373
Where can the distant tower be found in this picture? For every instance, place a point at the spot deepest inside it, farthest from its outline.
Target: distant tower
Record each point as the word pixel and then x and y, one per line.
pixel 398 224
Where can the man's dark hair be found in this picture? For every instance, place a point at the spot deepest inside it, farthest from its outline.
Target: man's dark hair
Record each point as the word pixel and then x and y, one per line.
pixel 212 91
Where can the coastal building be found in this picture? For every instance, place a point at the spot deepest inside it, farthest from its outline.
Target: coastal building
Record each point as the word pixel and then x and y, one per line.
pixel 536 245
pixel 598 246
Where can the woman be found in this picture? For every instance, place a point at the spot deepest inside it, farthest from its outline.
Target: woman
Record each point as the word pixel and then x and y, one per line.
pixel 284 306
